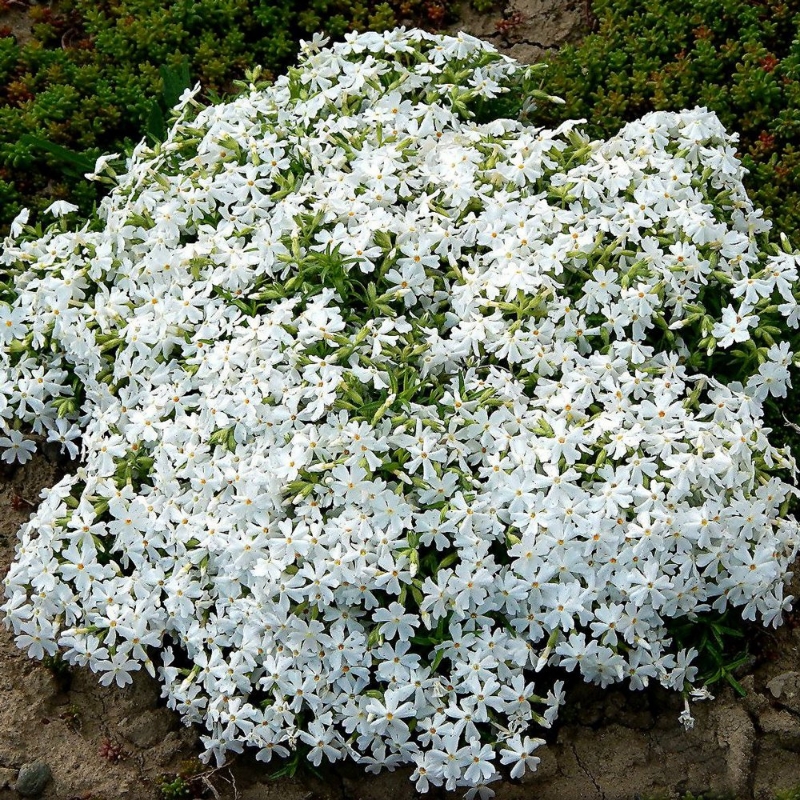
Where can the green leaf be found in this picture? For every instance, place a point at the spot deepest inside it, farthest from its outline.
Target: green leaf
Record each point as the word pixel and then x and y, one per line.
pixel 78 161
pixel 176 81
pixel 738 688
pixel 156 125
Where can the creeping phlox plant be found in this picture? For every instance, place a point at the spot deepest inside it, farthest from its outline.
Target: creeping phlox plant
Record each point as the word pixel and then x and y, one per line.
pixel 382 410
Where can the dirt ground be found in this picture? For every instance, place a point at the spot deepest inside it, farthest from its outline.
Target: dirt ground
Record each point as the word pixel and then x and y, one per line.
pixel 111 744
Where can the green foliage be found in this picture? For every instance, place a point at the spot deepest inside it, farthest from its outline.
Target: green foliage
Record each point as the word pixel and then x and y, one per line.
pixel 60 670
pixel 96 75
pixel 789 794
pixel 174 81
pixel 297 761
pixel 781 417
pixel 718 639
pixel 175 788
pixel 72 717
pixel 192 780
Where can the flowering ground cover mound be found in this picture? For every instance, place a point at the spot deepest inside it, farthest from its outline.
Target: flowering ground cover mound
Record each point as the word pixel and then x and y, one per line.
pixel 383 409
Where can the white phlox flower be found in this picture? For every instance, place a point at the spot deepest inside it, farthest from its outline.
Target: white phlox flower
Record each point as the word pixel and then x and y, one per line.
pixel 384 417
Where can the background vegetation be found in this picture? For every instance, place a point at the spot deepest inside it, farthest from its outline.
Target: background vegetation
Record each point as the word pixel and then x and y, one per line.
pixel 85 75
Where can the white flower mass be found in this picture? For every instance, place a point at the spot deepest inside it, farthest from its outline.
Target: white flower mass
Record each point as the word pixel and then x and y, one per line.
pixel 381 409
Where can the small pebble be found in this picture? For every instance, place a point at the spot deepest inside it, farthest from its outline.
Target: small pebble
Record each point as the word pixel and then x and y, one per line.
pixel 32 779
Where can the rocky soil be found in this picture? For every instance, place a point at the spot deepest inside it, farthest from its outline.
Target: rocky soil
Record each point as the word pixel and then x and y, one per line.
pixel 64 736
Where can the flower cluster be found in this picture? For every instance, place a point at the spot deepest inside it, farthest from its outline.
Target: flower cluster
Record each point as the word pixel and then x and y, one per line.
pixel 382 410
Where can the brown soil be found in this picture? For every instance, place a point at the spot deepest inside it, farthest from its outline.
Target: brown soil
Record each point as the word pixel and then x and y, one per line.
pixel 113 744
pixel 527 29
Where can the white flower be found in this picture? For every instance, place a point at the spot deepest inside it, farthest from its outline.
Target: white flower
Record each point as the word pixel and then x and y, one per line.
pixel 387 716
pixel 685 717
pixel 12 323
pixel 101 165
pixel 65 433
pixel 393 622
pixel 60 208
pixel 16 447
pixel 373 429
pixel 480 759
pixel 519 752
pixel 117 668
pixel 19 222
pixel 733 327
